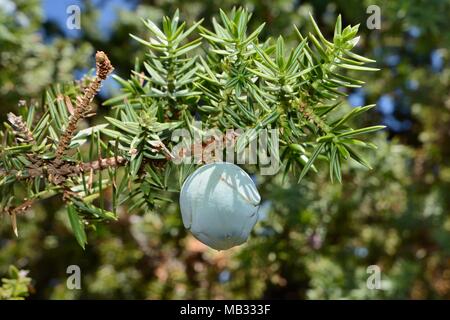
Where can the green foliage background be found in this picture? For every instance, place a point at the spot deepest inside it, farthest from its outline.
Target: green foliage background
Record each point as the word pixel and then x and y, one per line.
pixel 318 238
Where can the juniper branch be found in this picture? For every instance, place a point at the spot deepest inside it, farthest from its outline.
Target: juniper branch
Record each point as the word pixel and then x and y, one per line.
pixel 241 83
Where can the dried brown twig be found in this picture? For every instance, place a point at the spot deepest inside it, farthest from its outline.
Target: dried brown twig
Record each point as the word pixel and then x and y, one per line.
pixel 82 107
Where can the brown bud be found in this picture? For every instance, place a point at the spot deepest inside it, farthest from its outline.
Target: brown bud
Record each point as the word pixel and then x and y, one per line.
pixel 104 66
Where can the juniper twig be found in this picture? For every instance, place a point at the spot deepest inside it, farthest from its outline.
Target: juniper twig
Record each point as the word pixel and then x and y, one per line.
pixel 82 107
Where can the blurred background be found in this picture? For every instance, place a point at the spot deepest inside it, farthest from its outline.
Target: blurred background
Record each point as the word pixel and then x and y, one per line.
pixel 316 239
